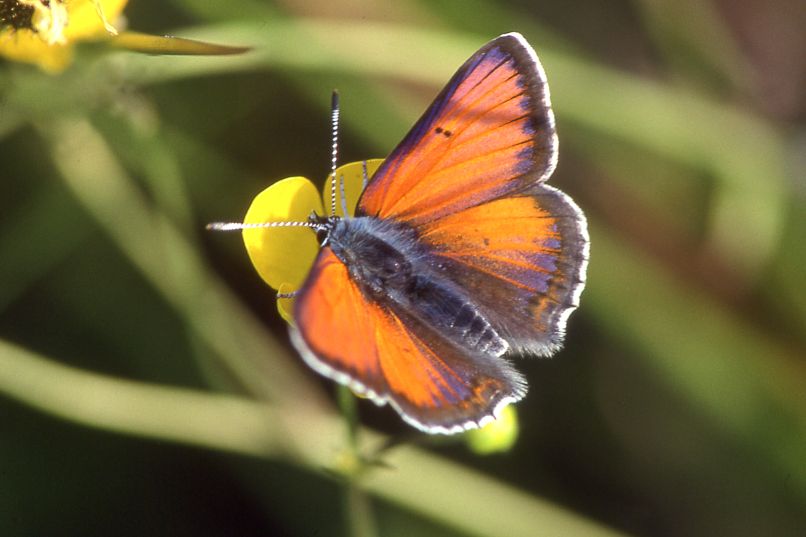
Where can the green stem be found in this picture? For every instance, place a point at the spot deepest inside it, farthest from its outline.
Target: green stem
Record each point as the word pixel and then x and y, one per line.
pixel 357 505
pixel 358 511
pixel 349 410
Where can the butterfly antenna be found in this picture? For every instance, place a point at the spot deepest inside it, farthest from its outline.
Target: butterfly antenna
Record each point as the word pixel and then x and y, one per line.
pixel 235 226
pixel 334 147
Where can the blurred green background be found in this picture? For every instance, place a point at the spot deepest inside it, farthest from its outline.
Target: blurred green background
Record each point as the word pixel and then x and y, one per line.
pixel 148 387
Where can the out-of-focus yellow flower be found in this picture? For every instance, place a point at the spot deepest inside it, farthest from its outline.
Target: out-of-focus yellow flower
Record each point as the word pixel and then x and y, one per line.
pixel 497 436
pixel 284 255
pixel 43 32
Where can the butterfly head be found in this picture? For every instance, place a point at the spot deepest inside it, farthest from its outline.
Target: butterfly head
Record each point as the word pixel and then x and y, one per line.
pixel 323 226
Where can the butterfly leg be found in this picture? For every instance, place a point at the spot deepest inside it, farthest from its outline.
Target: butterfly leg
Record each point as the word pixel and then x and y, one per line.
pixel 343 196
pixel 364 175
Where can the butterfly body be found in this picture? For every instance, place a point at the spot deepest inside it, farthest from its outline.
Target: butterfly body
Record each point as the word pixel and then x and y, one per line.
pixel 459 256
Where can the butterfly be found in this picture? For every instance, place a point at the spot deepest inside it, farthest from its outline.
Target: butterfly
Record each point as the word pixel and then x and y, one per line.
pixel 458 258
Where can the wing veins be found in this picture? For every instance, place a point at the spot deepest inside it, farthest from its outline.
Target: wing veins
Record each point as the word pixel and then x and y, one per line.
pixel 453 225
pixel 427 351
pixel 466 192
pixel 446 112
pixel 503 260
pixel 459 142
pixel 480 135
pixel 468 110
pixel 477 84
pixel 516 283
pixel 493 274
pixel 476 158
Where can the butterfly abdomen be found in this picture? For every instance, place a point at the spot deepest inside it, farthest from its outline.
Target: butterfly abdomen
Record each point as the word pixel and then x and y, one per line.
pixel 446 307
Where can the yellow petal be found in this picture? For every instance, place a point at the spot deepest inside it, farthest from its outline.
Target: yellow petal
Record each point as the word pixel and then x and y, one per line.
pixel 286 305
pixel 58 26
pixel 497 436
pixel 26 46
pixel 353 174
pixel 283 255
pixel 85 19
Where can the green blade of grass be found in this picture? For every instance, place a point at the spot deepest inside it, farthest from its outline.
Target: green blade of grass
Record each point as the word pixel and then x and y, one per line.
pixel 413 479
pixel 167 259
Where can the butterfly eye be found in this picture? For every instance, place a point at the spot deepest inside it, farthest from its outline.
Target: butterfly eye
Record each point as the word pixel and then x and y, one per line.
pixel 322 234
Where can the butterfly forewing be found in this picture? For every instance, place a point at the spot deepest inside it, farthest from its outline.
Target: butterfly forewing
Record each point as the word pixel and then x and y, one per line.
pixel 490 133
pixel 338 325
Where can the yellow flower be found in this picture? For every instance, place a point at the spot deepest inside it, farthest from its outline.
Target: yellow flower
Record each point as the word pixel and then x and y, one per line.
pixel 284 255
pixel 497 436
pixel 43 32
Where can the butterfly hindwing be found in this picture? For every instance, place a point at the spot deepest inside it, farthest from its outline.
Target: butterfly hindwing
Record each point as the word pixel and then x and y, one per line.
pixel 489 133
pixel 522 259
pixel 439 386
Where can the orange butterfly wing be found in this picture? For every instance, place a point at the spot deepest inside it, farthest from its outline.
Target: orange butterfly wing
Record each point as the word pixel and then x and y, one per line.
pixel 522 259
pixel 390 356
pixel 330 308
pixel 490 133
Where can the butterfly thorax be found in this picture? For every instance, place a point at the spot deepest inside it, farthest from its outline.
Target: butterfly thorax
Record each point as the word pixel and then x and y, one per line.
pixel 380 255
pixel 395 269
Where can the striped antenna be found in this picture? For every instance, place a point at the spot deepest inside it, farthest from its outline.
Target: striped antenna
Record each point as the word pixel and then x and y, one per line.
pixel 235 226
pixel 334 148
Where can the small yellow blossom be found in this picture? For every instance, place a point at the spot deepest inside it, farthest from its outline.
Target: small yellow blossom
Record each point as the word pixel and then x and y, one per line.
pixel 284 255
pixel 43 32
pixel 497 436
